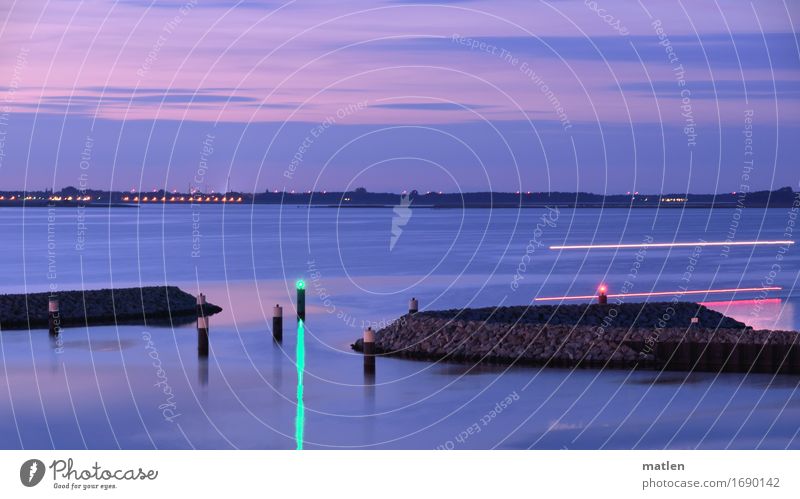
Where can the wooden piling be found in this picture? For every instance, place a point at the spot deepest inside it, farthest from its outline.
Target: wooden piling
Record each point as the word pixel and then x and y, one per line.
pixel 202 326
pixel 301 300
pixel 369 351
pixel 202 336
pixel 53 316
pixel 201 305
pixel 277 323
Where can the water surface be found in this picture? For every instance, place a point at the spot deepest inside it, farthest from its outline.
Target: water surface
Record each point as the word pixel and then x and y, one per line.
pixel 144 387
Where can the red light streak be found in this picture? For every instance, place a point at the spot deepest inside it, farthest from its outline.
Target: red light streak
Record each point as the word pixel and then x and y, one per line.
pixel 670 245
pixel 739 302
pixel 662 293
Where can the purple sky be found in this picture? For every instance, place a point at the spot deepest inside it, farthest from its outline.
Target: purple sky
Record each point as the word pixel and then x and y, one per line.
pixel 472 95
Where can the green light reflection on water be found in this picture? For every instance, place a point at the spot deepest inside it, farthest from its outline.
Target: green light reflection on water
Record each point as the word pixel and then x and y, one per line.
pixel 299 420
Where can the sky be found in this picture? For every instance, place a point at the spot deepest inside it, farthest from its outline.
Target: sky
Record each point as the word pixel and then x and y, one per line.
pixel 605 96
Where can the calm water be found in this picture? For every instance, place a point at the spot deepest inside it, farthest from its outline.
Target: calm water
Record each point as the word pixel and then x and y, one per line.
pixel 109 387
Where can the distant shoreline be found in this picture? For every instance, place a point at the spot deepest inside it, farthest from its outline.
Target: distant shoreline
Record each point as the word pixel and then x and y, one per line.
pixel 608 206
pixel 784 197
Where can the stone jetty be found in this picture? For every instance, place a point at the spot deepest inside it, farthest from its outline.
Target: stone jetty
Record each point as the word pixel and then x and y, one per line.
pixel 674 336
pixel 152 304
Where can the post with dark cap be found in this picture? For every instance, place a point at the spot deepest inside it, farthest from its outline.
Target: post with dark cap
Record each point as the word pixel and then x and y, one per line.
pixel 202 336
pixel 369 351
pixel 53 316
pixel 277 323
pixel 202 326
pixel 201 305
pixel 301 300
pixel 413 306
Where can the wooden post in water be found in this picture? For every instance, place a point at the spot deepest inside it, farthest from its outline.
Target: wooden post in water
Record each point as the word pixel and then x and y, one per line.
pixel 202 326
pixel 202 336
pixel 201 305
pixel 369 351
pixel 277 323
pixel 53 316
pixel 301 300
pixel 413 306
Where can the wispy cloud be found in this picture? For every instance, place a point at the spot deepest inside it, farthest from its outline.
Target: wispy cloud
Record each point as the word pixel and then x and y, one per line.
pixel 750 50
pixel 429 106
pixel 720 89
pixel 176 4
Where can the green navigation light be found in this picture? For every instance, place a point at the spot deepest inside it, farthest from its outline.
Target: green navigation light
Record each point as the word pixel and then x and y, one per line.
pixel 301 284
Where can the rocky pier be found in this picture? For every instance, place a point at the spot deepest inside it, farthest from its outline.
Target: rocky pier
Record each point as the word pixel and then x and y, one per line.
pixel 152 304
pixel 681 336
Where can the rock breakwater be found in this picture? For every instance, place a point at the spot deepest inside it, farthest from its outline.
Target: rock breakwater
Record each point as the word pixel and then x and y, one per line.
pixel 159 304
pixel 654 335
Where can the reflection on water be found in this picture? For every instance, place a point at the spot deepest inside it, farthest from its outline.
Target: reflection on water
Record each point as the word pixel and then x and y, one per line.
pixel 671 378
pixel 99 387
pixel 202 370
pixel 99 345
pixel 300 360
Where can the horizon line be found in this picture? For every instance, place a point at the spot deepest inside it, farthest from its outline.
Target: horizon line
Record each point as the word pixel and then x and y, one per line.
pixel 426 193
